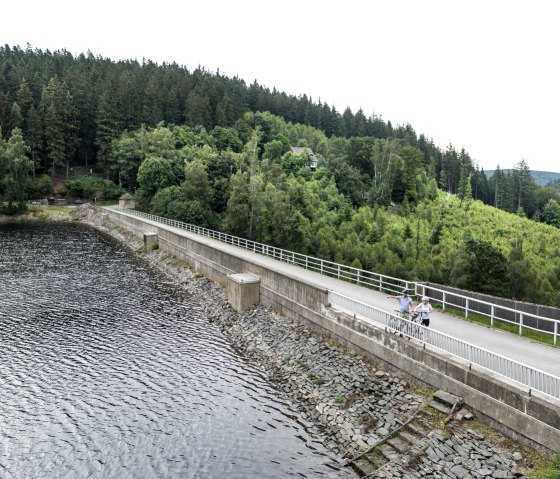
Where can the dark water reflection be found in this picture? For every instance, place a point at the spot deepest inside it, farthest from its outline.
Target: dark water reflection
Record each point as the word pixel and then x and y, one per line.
pixel 106 371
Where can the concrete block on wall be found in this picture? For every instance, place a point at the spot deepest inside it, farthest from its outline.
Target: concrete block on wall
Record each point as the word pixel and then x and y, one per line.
pixel 150 241
pixel 243 290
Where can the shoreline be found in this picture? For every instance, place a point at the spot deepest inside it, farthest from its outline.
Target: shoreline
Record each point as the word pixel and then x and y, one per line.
pixel 353 402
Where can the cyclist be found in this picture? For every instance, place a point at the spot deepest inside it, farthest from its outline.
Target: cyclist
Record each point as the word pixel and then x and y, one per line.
pixel 425 309
pixel 405 303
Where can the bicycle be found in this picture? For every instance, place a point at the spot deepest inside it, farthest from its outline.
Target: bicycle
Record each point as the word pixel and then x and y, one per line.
pixel 420 325
pixel 395 325
pixel 412 327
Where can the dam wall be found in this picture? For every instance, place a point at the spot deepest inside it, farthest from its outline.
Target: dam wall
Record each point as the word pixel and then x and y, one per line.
pixel 527 417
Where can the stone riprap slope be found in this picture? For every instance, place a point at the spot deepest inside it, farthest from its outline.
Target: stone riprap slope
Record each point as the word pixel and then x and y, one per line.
pixel 358 406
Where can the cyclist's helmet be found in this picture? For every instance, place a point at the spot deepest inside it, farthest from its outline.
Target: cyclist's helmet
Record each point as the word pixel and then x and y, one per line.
pixel 405 291
pixel 425 298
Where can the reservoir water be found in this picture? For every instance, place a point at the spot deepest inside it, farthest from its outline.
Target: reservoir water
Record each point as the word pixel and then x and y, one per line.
pixel 108 371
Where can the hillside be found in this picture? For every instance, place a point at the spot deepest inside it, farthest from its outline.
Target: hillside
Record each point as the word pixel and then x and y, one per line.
pixel 543 178
pixel 274 168
pixel 526 253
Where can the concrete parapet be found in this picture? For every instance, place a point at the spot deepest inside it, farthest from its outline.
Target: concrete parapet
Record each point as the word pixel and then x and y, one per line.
pixel 243 291
pixel 509 407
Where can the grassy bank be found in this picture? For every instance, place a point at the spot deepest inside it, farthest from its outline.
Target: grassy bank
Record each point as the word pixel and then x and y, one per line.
pixel 40 213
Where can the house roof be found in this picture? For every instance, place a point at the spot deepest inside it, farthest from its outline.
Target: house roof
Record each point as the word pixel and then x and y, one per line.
pixel 296 150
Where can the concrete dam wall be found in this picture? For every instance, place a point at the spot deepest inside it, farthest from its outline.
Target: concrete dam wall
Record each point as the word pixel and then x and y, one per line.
pixel 530 418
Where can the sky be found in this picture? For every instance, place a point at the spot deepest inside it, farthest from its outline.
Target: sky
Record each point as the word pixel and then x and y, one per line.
pixel 480 75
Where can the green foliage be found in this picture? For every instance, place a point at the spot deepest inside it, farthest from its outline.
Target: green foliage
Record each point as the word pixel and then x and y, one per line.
pixel 226 138
pixel 373 201
pixel 41 188
pixel 12 209
pixel 550 471
pixel 270 201
pixel 160 203
pixel 292 163
pixel 551 213
pixel 155 173
pixel 74 110
pixel 60 122
pixel 480 266
pixel 91 187
pixel 15 167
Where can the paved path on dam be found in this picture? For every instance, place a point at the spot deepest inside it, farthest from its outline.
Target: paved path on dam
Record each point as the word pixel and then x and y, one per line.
pixel 537 355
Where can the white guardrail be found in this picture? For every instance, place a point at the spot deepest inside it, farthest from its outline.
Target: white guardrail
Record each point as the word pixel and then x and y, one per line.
pixel 532 378
pixel 386 284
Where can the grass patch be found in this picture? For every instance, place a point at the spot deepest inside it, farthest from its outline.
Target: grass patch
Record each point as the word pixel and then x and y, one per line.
pixel 438 418
pixel 550 470
pixel 37 212
pixel 426 393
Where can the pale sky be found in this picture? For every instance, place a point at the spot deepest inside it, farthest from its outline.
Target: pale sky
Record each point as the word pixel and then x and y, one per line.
pixel 481 74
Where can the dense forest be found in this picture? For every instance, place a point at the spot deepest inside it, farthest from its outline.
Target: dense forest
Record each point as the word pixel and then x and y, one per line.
pixel 285 170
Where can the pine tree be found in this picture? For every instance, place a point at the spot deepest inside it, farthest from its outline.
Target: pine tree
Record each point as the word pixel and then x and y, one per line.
pixel 59 119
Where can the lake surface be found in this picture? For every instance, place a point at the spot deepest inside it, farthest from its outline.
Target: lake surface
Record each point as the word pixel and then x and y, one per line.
pixel 107 371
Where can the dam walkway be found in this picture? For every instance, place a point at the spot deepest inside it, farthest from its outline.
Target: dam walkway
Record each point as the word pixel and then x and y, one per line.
pixel 536 355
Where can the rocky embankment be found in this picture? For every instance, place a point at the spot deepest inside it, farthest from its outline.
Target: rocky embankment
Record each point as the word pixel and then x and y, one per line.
pixel 382 425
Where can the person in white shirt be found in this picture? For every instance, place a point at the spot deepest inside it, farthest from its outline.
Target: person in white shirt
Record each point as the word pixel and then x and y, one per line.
pixel 425 309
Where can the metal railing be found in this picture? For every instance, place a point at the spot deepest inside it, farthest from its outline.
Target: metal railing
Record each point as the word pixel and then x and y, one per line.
pixel 350 274
pixel 532 378
pixel 521 320
pixel 383 283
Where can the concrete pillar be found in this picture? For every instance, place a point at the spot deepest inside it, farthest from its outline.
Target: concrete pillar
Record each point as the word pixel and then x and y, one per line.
pixel 243 290
pixel 150 239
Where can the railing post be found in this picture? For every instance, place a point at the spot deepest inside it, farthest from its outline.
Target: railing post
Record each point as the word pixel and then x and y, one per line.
pixel 466 308
pixel 492 316
pixel 443 301
pixel 555 332
pixel 520 324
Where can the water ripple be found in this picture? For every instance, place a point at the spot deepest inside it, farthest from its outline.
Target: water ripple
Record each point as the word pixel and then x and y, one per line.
pixel 106 371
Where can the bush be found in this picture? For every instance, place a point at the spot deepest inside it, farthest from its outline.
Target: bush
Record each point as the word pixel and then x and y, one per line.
pixel 90 187
pixel 42 187
pixel 12 209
